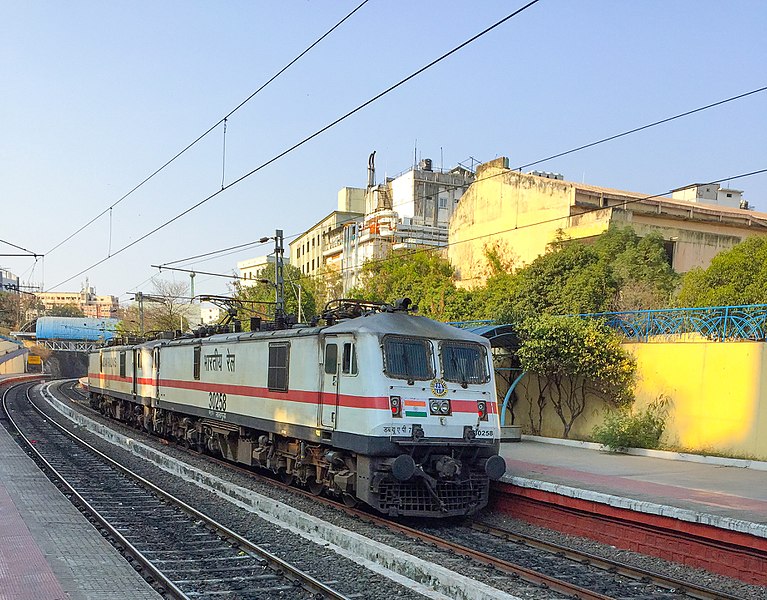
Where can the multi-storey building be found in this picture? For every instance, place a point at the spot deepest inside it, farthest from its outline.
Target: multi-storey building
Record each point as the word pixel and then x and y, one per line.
pixel 521 214
pixel 8 281
pixel 92 305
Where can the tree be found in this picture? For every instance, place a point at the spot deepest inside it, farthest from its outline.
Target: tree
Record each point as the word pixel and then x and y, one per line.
pixel 422 276
pixel 167 308
pixel 736 276
pixel 258 297
pixel 574 359
pixel 618 271
pixel 65 310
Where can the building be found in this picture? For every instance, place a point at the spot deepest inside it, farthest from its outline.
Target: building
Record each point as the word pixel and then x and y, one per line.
pixel 96 307
pixel 319 249
pixel 250 269
pixel 8 281
pixel 521 214
pixel 411 210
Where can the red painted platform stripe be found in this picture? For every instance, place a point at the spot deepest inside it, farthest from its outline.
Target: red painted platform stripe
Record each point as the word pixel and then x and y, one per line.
pixel 723 551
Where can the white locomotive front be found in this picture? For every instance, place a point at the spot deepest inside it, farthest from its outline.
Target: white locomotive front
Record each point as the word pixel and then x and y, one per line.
pixel 392 409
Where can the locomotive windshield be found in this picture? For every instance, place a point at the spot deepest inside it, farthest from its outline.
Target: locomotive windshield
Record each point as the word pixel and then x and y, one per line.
pixel 408 358
pixel 463 363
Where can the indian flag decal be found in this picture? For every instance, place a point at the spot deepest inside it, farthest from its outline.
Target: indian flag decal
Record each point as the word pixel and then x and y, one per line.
pixel 415 408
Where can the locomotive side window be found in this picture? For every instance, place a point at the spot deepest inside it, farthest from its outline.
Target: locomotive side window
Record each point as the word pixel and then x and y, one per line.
pixel 197 353
pixel 407 358
pixel 349 363
pixel 331 359
pixel 101 362
pixel 279 355
pixel 463 363
pixel 122 364
pixel 138 359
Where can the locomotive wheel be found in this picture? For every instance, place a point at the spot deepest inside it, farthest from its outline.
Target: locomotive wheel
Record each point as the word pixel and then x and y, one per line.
pixel 315 487
pixel 350 500
pixel 285 477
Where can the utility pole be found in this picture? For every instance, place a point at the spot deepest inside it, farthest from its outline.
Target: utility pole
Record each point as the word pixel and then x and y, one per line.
pixel 279 281
pixel 140 300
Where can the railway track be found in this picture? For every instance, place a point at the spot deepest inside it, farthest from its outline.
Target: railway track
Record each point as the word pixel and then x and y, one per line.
pixel 551 567
pixel 185 553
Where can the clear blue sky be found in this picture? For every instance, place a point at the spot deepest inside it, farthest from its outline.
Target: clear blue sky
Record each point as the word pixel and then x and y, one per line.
pixel 97 95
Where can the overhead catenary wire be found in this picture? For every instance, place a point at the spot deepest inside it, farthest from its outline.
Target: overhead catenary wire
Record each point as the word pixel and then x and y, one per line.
pixel 306 139
pixel 210 129
pixel 446 186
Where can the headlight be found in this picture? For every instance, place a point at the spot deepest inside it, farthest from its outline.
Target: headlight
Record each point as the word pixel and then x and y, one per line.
pixel 444 407
pixel 434 406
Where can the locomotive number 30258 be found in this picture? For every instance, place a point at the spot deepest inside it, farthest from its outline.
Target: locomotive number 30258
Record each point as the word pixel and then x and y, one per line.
pixel 217 401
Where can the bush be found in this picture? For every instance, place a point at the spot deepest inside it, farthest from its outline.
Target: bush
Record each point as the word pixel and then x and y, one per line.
pixel 626 428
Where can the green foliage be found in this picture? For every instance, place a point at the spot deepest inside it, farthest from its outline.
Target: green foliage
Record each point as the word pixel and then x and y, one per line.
pixel 424 277
pixel 576 358
pixel 736 276
pixel 618 271
pixel 65 310
pixel 259 297
pixel 627 428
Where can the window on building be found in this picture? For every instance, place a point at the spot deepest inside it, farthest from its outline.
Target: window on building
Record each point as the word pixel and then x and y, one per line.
pixel 279 357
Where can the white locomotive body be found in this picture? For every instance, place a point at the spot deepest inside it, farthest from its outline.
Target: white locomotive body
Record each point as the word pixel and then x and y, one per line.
pixel 395 410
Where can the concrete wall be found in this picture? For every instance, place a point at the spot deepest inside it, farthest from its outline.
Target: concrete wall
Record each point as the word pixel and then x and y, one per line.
pixel 502 208
pixel 718 393
pixel 13 358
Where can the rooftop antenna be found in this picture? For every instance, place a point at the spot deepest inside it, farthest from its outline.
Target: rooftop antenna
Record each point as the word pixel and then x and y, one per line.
pixel 415 153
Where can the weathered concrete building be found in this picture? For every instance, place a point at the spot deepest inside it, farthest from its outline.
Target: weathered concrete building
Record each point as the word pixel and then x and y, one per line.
pixel 521 214
pixel 96 307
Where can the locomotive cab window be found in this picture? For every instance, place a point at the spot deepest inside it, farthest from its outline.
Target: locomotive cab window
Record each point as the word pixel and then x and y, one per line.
pixel 349 362
pixel 122 364
pixel 331 359
pixel 463 363
pixel 279 360
pixel 408 358
pixel 101 362
pixel 138 358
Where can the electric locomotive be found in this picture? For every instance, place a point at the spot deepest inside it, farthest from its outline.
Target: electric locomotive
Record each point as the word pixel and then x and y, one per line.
pixel 377 405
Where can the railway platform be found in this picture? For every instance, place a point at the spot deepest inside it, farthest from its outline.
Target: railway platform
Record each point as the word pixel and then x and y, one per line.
pixel 47 548
pixel 680 507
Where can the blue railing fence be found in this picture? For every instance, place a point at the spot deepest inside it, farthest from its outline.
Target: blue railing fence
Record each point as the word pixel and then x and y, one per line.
pixel 716 323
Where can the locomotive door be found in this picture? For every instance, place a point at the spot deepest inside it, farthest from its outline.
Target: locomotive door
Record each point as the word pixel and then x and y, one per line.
pixel 136 359
pixel 329 382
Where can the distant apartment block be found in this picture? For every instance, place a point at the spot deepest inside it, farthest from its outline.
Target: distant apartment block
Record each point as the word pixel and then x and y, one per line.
pixel 251 269
pixel 93 306
pixel 8 281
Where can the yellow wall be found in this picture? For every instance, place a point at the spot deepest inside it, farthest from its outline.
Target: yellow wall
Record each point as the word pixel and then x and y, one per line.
pixel 718 393
pixel 719 400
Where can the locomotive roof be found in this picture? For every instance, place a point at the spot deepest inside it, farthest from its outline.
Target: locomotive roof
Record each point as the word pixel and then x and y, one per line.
pixel 379 324
pixel 404 324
